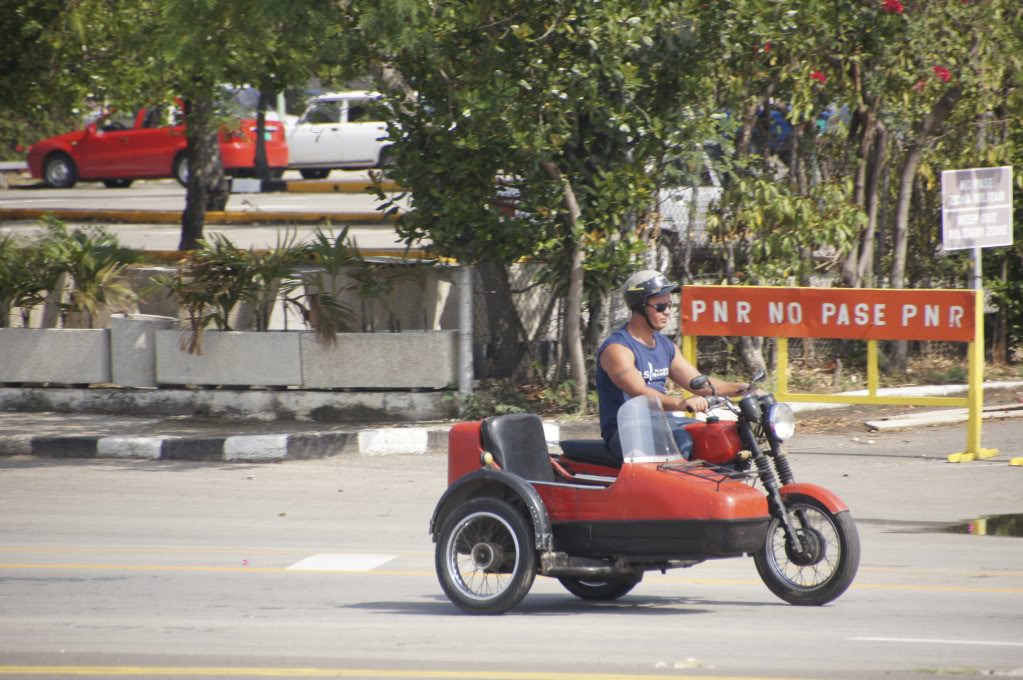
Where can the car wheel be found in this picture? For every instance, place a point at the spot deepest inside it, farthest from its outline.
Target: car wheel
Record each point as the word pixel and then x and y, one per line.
pixel 59 171
pixel 180 169
pixel 485 557
pixel 117 183
pixel 315 173
pixel 386 163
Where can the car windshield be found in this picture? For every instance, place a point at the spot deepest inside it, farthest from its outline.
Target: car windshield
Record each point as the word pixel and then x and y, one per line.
pixel 644 432
pixel 238 102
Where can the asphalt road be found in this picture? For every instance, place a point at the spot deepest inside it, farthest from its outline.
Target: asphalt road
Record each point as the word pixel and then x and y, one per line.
pixel 324 569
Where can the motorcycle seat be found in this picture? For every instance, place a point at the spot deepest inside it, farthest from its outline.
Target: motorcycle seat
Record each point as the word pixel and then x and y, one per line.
pixel 593 451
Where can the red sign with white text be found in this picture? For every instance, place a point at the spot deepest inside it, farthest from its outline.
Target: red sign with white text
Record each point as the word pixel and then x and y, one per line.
pixel 854 313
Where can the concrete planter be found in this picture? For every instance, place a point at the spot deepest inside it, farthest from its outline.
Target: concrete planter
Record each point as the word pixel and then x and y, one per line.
pixel 133 347
pixel 71 356
pixel 414 359
pixel 269 359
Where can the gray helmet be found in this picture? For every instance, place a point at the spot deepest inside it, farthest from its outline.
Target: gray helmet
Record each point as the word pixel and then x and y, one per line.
pixel 646 284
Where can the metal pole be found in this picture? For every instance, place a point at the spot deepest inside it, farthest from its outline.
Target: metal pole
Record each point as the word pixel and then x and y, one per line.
pixel 465 328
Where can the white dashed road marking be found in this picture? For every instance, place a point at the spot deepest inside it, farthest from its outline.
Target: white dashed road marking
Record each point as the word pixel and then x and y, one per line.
pixel 342 562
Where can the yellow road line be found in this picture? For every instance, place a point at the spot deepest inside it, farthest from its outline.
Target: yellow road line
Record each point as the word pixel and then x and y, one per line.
pixel 173 567
pixel 394 572
pixel 199 671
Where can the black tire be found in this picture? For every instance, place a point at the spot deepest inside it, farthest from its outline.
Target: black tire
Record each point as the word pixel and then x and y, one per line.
pixel 59 171
pixel 818 578
pixel 601 591
pixel 117 183
pixel 386 162
pixel 485 557
pixel 180 169
pixel 315 173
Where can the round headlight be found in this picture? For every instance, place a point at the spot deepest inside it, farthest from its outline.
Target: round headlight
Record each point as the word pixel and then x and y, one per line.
pixel 782 421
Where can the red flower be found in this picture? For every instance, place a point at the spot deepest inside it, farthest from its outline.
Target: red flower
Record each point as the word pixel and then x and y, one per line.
pixel 766 47
pixel 893 6
pixel 920 84
pixel 818 76
pixel 942 73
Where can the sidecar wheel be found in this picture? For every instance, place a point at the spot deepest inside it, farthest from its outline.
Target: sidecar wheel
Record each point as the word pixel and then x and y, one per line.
pixel 485 557
pixel 602 591
pixel 829 567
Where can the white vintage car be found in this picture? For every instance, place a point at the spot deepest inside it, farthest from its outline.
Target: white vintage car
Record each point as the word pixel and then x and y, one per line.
pixel 338 131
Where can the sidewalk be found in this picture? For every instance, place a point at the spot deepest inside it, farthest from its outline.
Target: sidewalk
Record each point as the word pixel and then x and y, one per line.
pixel 82 435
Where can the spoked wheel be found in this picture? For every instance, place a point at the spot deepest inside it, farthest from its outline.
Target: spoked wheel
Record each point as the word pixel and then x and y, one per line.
pixel 589 589
pixel 485 558
pixel 827 564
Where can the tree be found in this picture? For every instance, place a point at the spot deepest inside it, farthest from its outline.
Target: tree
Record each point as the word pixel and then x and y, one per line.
pixel 554 105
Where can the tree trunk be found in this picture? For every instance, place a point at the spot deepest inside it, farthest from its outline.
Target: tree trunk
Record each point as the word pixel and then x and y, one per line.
pixel 930 123
pixel 878 162
pixel 1000 332
pixel 207 186
pixel 503 322
pixel 262 169
pixel 574 299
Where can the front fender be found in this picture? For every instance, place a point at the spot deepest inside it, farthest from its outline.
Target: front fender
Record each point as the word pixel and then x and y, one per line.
pixel 490 482
pixel 830 500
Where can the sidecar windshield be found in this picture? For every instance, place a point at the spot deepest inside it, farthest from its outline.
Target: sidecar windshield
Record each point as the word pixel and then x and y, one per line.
pixel 644 433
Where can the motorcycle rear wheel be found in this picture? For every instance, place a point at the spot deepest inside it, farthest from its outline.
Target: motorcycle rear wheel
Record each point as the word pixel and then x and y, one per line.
pixel 602 591
pixel 485 558
pixel 821 577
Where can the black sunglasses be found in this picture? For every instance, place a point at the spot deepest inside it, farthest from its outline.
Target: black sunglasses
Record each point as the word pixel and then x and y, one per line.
pixel 661 307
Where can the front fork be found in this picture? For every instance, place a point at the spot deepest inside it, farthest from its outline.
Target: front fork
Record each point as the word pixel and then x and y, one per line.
pixel 766 473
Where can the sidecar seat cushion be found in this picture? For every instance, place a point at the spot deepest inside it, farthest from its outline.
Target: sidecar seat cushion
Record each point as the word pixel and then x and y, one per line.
pixel 592 451
pixel 518 444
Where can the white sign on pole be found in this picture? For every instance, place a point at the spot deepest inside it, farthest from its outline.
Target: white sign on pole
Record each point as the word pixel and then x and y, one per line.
pixel 976 208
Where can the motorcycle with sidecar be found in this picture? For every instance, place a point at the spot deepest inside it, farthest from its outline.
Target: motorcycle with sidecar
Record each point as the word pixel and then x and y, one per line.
pixel 597 522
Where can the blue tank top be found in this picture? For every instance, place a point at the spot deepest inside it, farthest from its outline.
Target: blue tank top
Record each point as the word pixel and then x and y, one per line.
pixel 652 362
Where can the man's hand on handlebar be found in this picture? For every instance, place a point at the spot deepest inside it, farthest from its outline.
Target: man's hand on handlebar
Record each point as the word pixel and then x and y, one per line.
pixel 695 404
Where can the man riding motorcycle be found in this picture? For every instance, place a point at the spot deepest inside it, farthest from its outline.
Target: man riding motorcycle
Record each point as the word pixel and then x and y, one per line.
pixel 638 359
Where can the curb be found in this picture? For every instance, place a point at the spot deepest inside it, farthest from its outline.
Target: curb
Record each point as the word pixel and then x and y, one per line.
pixel 241 448
pixel 297 446
pixel 212 217
pixel 231 448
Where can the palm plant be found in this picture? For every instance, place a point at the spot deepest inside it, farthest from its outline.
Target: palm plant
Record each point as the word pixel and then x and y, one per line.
pixel 25 278
pixel 267 270
pixel 317 288
pixel 93 260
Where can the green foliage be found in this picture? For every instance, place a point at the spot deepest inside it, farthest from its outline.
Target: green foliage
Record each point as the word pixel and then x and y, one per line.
pixel 308 276
pixel 315 292
pixel 501 88
pixel 93 259
pixel 490 397
pixel 25 278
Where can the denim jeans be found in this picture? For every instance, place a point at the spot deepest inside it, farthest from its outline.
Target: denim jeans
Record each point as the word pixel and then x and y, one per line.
pixel 677 424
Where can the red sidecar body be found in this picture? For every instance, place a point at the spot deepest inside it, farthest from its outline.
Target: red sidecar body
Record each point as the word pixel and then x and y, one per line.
pixel 650 509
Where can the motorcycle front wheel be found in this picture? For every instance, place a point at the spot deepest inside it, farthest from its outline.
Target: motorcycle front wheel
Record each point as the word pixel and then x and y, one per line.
pixel 605 591
pixel 825 569
pixel 485 558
